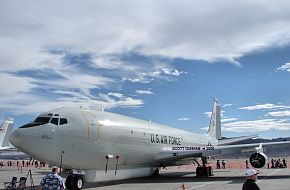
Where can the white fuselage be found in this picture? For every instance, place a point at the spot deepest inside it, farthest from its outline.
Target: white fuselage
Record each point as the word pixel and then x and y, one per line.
pixel 97 143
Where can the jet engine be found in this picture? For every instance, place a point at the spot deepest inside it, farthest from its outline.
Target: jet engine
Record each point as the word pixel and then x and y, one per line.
pixel 258 160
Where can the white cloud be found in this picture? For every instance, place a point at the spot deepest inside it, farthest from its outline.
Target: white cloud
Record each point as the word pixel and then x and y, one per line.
pixel 169 29
pixel 183 119
pixel 144 92
pixel 117 95
pixel 257 125
pixel 111 100
pixel 264 106
pixel 30 104
pixel 11 84
pixel 228 120
pixel 173 72
pixel 227 105
pixel 208 114
pixel 284 113
pixel 111 31
pixel 285 67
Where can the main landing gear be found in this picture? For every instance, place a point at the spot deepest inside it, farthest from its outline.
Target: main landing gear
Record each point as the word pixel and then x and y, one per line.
pixel 204 170
pixel 74 182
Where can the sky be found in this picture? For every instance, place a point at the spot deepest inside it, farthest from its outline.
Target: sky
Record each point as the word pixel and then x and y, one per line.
pixel 154 60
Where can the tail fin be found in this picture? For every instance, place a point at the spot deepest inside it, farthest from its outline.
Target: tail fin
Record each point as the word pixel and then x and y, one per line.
pixel 5 131
pixel 214 129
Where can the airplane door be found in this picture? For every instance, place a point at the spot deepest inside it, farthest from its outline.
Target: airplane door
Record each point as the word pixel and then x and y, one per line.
pixel 92 126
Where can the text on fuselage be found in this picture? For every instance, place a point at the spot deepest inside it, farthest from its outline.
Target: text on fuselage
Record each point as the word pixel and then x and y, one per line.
pixel 164 139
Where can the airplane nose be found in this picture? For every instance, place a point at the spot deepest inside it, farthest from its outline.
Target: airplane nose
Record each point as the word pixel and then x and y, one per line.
pixel 15 138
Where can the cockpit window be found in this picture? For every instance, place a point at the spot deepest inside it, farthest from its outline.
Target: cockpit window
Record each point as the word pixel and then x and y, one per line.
pixel 38 121
pixel 62 121
pixel 42 120
pixel 45 119
pixel 54 121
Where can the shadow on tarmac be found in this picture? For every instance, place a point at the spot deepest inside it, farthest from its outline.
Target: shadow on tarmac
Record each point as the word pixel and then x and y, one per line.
pixel 179 177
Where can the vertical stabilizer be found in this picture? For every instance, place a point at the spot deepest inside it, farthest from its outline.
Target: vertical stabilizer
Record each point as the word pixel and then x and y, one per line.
pixel 214 129
pixel 5 131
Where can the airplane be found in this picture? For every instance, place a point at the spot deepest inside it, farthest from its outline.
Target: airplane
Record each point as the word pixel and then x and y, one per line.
pixel 96 146
pixel 5 131
pixel 7 151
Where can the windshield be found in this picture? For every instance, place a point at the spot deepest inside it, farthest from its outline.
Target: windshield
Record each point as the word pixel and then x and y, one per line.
pixel 42 120
pixel 38 121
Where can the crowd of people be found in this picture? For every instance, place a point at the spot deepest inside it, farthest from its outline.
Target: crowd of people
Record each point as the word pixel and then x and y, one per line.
pixel 274 163
pixel 218 164
pixel 278 163
pixel 24 163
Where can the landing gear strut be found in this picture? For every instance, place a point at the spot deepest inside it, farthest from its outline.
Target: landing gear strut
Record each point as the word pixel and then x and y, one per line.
pixel 74 182
pixel 204 170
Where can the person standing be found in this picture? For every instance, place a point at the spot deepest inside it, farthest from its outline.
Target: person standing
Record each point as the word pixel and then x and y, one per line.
pixel 250 184
pixel 284 163
pixel 223 164
pixel 218 165
pixel 52 181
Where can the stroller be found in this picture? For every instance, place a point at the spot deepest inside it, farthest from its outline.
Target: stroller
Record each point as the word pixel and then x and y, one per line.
pixel 13 184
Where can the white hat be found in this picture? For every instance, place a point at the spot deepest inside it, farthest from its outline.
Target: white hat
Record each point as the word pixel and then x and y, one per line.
pixel 251 172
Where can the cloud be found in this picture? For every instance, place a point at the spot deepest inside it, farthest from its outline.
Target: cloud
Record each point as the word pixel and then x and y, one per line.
pixel 228 120
pixel 227 105
pixel 264 107
pixel 144 92
pixel 11 84
pixel 183 119
pixel 111 100
pixel 173 72
pixel 31 104
pixel 117 95
pixel 284 113
pixel 208 114
pixel 285 67
pixel 257 125
pixel 69 54
pixel 169 29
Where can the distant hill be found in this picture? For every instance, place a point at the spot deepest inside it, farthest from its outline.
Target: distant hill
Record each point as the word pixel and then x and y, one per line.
pixel 259 140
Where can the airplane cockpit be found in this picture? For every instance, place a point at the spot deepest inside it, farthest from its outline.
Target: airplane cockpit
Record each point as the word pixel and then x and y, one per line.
pixel 47 118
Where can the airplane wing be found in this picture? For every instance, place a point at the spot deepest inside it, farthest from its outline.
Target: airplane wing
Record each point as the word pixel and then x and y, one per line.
pixel 171 155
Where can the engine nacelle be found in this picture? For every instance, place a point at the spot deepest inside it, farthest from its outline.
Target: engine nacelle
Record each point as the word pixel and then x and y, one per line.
pixel 258 160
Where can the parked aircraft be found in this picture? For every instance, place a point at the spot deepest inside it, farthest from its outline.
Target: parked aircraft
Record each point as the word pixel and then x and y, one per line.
pixel 5 131
pixel 7 151
pixel 94 146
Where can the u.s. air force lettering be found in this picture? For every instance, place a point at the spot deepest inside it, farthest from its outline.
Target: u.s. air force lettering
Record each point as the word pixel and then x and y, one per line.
pixel 164 139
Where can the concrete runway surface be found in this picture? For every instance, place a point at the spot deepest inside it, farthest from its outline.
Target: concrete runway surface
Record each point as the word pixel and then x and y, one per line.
pixel 269 179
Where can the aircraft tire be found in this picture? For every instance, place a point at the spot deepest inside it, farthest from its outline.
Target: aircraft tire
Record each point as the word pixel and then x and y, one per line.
pixel 156 172
pixel 68 182
pixel 74 182
pixel 203 171
pixel 198 171
pixel 77 182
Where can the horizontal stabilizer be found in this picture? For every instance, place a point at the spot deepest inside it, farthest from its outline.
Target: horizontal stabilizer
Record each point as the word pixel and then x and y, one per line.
pixel 235 139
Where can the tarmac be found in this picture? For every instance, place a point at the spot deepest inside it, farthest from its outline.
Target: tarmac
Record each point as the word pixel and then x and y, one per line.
pixel 171 179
